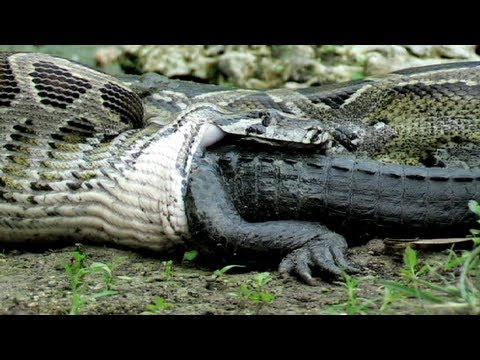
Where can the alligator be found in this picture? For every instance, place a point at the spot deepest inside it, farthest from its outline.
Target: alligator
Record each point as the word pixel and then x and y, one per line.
pixel 302 206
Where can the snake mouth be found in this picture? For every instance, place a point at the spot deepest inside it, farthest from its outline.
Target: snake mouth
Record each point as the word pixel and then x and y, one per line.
pixel 276 128
pixel 318 143
pixel 295 137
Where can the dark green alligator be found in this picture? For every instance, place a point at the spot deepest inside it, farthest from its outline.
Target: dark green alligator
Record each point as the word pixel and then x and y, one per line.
pixel 297 204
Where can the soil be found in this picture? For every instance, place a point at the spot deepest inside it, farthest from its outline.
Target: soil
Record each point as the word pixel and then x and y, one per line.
pixel 37 283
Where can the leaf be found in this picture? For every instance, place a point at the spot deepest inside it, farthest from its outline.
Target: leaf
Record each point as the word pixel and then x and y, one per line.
pixel 413 292
pixel 124 277
pixel 263 278
pixel 450 290
pixel 104 293
pixel 101 267
pixel 160 304
pixel 266 297
pixel 455 262
pixel 474 206
pixel 190 255
pixel 411 258
pixel 223 270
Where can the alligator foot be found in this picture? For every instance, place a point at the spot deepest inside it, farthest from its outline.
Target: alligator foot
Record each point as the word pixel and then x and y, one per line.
pixel 326 255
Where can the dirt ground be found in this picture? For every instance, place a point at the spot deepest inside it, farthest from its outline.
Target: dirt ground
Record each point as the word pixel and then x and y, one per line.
pixel 37 283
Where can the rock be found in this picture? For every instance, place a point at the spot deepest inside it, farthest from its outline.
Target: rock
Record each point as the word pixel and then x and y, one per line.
pixel 237 67
pixel 293 66
pixel 382 59
pixel 107 56
pixel 173 60
pixel 443 51
pixel 293 52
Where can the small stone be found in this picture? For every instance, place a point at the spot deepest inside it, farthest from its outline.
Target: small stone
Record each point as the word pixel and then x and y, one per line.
pixel 238 67
pixel 107 56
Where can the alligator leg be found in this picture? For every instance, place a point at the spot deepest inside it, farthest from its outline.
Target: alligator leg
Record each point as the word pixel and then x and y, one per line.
pixel 213 216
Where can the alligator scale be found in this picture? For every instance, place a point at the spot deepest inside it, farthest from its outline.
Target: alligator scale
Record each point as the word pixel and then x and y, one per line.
pixel 85 157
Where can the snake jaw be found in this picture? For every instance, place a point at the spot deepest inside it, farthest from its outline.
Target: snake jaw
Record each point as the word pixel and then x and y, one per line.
pixel 275 127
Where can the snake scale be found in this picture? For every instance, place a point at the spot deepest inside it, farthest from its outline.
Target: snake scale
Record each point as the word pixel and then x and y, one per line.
pixel 83 157
pixel 77 162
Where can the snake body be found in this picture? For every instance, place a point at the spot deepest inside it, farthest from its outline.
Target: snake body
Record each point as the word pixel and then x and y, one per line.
pixel 405 117
pixel 77 162
pixel 80 160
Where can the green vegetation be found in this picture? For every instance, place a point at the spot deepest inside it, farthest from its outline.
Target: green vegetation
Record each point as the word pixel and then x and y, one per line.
pixel 220 274
pixel 190 255
pixel 81 275
pixel 255 290
pixel 168 269
pixel 450 286
pixel 355 305
pixel 158 307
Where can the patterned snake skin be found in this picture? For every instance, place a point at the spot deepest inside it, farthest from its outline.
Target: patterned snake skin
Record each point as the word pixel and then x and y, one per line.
pixel 79 159
pixel 404 117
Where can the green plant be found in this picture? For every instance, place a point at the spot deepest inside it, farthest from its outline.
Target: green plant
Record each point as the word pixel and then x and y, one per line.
pixel 355 305
pixel 411 270
pixel 190 255
pixel 219 274
pixel 168 269
pixel 254 290
pixel 449 285
pixel 390 296
pixel 439 291
pixel 77 271
pixel 158 307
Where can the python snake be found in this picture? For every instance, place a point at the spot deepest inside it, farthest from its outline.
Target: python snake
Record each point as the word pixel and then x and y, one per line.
pixel 81 158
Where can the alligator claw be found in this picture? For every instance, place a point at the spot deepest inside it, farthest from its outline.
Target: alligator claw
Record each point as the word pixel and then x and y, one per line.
pixel 326 255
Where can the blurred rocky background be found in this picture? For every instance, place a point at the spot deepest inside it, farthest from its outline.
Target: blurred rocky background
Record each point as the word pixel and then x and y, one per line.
pixel 259 66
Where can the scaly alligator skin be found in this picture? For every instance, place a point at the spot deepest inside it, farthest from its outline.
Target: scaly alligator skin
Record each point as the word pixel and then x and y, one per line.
pixel 239 197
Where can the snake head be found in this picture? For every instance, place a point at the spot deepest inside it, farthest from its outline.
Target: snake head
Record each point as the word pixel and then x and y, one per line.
pixel 275 127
